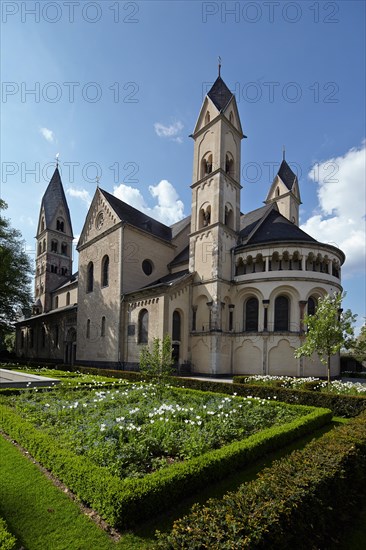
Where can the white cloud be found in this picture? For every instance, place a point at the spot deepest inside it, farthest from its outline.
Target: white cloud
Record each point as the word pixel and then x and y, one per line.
pixel 171 131
pixel 47 134
pixel 169 208
pixel 340 217
pixel 81 194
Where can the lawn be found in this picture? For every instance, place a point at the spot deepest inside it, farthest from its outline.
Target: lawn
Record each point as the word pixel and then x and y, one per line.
pixel 135 429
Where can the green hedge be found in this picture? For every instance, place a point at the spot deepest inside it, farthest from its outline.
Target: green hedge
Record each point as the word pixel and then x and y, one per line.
pixel 125 503
pixel 7 540
pixel 297 503
pixel 341 405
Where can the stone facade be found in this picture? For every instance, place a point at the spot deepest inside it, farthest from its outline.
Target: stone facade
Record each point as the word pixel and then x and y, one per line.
pixel 230 288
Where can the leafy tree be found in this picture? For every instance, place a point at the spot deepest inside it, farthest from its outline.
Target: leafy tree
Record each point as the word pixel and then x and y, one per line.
pixel 357 348
pixel 15 271
pixel 158 362
pixel 328 330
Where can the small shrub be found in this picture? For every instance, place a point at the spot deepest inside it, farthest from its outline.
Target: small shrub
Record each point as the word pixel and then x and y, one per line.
pixel 7 540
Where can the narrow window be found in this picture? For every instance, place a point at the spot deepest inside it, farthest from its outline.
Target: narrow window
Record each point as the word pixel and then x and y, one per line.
pixel 56 302
pixel 176 326
pixel 143 335
pixel 311 306
pixel 90 277
pixel 54 246
pixel 56 336
pixel 102 330
pixel 251 315
pixel 68 299
pixel 105 271
pixel 64 249
pixel 281 319
pixel 88 328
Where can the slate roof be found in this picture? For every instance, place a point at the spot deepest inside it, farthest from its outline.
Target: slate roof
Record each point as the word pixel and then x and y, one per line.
pixel 138 219
pixel 53 197
pixel 220 94
pixel 287 175
pixel 249 221
pixel 178 226
pixel 166 281
pixel 74 278
pixel 182 257
pixel 273 227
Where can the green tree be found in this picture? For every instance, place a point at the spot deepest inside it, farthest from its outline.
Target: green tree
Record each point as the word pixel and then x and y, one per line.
pixel 328 330
pixel 157 363
pixel 357 348
pixel 15 274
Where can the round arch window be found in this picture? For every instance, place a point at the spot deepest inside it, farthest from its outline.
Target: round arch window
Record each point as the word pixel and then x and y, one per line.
pixel 147 267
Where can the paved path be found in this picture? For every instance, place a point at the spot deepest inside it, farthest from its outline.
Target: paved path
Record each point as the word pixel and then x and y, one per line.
pixel 14 379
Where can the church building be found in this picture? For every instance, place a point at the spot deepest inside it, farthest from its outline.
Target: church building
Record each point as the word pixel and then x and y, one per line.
pixel 230 288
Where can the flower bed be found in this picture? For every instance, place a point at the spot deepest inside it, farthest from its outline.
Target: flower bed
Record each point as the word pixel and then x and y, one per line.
pixel 125 502
pixel 134 430
pixel 336 386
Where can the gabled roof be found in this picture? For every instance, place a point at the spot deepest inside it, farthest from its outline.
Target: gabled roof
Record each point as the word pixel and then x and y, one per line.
pixel 138 219
pixel 53 197
pixel 220 94
pixel 287 175
pixel 73 279
pixel 273 227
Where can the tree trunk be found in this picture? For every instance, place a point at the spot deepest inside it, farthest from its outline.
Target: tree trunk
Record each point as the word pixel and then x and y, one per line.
pixel 328 371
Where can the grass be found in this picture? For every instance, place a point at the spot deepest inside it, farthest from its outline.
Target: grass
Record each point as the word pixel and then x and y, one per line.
pixel 41 516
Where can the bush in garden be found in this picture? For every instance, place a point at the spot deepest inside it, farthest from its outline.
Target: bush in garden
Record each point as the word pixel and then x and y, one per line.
pixel 157 364
pixel 7 540
pixel 297 503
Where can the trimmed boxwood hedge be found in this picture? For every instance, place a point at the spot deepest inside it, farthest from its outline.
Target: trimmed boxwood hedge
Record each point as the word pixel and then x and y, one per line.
pixel 125 503
pixel 7 540
pixel 297 503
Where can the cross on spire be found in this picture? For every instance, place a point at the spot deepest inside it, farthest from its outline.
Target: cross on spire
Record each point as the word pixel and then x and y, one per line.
pixel 57 157
pixel 219 61
pixel 283 152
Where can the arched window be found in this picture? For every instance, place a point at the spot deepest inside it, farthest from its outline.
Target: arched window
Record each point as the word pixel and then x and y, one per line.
pixel 54 246
pixel 206 165
pixel 39 248
pixel 44 245
pixel 42 224
pixel 176 326
pixel 68 299
pixel 281 317
pixel 251 315
pixel 90 277
pixel 56 302
pixel 64 249
pixel 311 305
pixel 88 328
pixel 143 335
pixel 60 225
pixel 229 164
pixel 102 330
pixel 105 271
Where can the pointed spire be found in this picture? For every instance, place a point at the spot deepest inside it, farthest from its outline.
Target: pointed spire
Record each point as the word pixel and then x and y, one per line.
pixel 53 197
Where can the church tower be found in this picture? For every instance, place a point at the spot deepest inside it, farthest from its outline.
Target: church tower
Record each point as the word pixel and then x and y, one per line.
pixel 285 192
pixel 215 222
pixel 216 184
pixel 54 245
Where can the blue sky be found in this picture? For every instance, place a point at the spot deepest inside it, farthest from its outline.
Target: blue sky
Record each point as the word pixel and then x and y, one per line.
pixel 116 87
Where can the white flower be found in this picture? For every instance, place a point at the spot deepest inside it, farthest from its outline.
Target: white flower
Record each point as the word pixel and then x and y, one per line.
pixel 103 427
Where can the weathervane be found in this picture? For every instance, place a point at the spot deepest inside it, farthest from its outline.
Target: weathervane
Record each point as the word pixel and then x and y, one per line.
pixel 57 157
pixel 219 60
